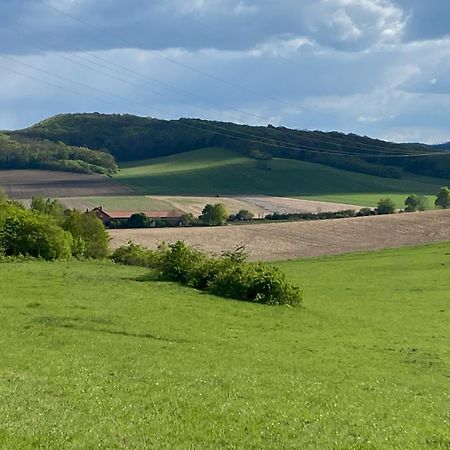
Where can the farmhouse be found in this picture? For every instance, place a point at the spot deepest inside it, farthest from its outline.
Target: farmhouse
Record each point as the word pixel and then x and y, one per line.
pixel 173 216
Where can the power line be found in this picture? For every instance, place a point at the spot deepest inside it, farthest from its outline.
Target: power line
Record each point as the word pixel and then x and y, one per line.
pixel 162 56
pixel 278 141
pixel 260 141
pixel 206 74
pixel 190 126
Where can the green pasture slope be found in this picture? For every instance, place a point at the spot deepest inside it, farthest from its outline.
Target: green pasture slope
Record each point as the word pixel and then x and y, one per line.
pixel 214 171
pixel 95 356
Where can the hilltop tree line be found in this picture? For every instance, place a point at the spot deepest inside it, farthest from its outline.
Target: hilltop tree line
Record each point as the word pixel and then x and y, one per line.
pixel 131 138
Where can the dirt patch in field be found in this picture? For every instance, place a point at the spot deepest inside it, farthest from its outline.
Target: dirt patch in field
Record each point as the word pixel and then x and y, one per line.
pixel 260 205
pixel 280 241
pixel 24 184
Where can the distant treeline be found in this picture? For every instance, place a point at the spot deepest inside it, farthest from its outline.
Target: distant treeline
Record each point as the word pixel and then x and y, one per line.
pixel 35 153
pixel 131 138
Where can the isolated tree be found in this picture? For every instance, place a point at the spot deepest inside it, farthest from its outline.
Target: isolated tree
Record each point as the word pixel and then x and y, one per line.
pixel 386 206
pixel 214 214
pixel 443 198
pixel 415 202
pixel 244 214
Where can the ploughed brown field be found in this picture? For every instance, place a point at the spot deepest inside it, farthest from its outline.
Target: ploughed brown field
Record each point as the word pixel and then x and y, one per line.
pixel 279 241
pixel 24 184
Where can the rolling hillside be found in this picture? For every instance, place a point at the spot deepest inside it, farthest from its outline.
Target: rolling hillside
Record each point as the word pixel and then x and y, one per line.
pixel 96 355
pixel 213 171
pixel 133 138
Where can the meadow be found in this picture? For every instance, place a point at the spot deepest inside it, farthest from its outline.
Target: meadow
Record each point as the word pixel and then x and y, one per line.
pixel 97 355
pixel 214 171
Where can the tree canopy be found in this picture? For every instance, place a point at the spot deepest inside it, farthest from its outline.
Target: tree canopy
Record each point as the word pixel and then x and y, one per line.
pixel 443 198
pixel 214 214
pixel 132 138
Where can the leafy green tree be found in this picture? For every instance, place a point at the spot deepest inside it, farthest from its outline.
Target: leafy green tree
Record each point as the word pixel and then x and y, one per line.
pixel 244 214
pixel 188 219
pixel 25 232
pixel 416 202
pixel 91 239
pixel 138 220
pixel 214 214
pixel 386 206
pixel 443 198
pixel 52 208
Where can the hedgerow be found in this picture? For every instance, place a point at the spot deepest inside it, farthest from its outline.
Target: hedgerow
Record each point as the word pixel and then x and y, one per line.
pixel 135 255
pixel 230 275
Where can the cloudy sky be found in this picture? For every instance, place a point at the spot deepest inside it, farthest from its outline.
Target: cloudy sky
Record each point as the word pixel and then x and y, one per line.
pixel 374 67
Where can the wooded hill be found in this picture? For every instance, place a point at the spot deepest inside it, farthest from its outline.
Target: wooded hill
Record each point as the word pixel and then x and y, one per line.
pixel 132 138
pixel 22 152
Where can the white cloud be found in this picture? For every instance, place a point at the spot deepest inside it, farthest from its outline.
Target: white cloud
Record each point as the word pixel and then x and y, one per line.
pixel 322 64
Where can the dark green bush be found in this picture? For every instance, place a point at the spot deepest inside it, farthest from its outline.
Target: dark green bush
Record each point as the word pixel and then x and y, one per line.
pixel 256 283
pixel 28 233
pixel 229 276
pixel 47 231
pixel 135 255
pixel 181 263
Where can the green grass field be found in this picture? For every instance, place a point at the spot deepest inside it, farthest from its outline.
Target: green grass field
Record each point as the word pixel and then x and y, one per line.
pixel 217 171
pixel 370 199
pixel 94 356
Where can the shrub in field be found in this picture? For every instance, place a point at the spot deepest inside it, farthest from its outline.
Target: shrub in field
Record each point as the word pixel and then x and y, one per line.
pixel 365 212
pixel 257 283
pixel 179 262
pixel 229 276
pixel 135 255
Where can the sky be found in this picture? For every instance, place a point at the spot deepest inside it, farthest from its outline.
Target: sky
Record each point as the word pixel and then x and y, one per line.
pixel 372 67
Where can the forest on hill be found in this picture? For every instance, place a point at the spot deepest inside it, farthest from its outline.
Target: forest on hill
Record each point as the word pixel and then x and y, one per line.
pixel 133 138
pixel 21 152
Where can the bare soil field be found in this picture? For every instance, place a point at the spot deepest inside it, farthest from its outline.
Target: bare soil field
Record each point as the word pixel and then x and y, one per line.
pixel 259 205
pixel 24 184
pixel 280 241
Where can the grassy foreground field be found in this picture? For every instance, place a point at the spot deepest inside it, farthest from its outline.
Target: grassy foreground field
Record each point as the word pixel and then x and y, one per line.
pixel 95 357
pixel 214 171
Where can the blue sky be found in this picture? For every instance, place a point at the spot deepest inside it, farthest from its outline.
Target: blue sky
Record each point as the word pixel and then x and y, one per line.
pixel 373 67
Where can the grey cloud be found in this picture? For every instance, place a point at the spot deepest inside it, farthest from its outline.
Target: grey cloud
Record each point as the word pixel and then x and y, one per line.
pixel 349 65
pixel 221 24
